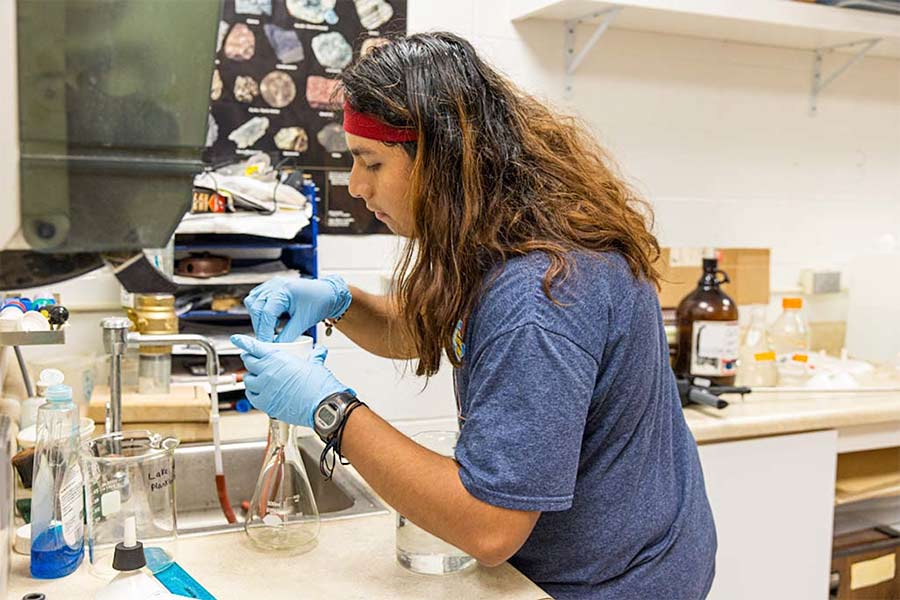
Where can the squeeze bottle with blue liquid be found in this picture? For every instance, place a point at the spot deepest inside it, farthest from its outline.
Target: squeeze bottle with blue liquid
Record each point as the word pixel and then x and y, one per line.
pixel 57 505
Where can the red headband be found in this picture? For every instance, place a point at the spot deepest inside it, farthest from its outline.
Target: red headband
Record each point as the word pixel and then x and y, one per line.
pixel 369 127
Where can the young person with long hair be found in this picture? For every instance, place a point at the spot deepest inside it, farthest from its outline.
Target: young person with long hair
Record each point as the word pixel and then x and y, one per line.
pixel 528 268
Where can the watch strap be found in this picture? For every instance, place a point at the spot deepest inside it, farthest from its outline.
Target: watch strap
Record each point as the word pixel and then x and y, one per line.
pixel 333 443
pixel 344 398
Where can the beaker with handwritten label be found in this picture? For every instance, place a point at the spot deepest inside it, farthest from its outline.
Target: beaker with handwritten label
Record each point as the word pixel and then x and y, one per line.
pixel 128 474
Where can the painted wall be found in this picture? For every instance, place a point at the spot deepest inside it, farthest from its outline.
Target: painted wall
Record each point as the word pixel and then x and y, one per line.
pixel 717 136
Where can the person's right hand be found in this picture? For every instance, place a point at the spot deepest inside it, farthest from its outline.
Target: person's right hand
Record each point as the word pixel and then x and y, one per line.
pixel 306 301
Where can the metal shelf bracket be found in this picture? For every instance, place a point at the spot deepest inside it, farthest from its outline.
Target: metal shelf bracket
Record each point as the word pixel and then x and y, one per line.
pixel 820 81
pixel 572 58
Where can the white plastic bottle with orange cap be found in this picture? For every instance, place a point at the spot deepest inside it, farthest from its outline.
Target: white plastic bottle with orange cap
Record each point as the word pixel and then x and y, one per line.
pixel 757 361
pixel 789 339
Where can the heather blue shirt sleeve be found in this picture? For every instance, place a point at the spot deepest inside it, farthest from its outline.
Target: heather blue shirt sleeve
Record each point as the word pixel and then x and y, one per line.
pixel 529 389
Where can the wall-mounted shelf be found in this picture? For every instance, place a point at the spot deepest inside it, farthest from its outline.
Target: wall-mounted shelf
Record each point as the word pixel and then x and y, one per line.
pixel 32 338
pixel 783 23
pixel 780 23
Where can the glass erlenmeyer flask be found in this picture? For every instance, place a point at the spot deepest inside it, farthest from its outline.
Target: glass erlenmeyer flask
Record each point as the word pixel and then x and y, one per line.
pixel 283 515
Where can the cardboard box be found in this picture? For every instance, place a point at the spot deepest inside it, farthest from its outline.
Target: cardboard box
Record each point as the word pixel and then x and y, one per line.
pixel 747 268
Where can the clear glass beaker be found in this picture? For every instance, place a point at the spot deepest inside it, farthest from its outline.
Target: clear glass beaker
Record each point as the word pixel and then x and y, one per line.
pixel 418 550
pixel 128 474
pixel 283 515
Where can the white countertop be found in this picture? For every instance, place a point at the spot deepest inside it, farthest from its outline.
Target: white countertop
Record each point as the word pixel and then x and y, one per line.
pixel 776 413
pixel 353 559
pixel 759 414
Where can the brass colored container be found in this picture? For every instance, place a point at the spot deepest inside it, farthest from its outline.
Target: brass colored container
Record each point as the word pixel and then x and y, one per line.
pixel 154 314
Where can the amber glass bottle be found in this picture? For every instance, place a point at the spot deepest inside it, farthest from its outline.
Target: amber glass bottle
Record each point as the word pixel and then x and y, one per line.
pixel 708 332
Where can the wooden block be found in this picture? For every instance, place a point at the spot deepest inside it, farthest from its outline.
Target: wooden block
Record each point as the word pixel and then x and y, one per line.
pixel 185 432
pixel 747 268
pixel 867 474
pixel 183 404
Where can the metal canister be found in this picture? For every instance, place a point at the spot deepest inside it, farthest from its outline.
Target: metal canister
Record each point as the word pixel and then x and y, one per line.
pixel 154 314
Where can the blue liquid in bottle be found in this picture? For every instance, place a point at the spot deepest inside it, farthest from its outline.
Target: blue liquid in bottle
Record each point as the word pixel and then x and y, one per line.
pixel 52 557
pixel 57 506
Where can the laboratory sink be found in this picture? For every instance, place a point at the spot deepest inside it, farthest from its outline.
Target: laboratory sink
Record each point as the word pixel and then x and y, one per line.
pixel 197 505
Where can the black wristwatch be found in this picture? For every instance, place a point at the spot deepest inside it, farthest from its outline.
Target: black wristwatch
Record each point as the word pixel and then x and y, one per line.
pixel 330 414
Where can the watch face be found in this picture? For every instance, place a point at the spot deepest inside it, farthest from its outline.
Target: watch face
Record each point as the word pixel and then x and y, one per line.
pixel 327 417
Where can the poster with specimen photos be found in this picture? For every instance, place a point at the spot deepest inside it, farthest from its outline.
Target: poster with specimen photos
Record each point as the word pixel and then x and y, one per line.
pixel 277 62
pixel 274 85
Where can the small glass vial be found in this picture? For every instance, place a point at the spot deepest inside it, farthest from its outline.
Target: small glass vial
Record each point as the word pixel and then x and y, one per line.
pixel 283 516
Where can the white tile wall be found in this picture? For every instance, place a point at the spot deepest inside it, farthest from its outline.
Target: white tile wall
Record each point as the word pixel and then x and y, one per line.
pixel 389 387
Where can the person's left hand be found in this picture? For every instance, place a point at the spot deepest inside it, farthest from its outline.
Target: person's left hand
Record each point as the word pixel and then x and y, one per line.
pixel 284 386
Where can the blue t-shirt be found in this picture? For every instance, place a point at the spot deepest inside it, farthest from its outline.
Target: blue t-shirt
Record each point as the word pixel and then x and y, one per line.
pixel 571 409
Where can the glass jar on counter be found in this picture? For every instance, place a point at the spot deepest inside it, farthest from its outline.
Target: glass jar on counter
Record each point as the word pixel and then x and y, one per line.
pixel 418 550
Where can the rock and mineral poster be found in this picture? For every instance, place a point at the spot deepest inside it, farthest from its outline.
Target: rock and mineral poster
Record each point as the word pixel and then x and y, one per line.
pixel 273 87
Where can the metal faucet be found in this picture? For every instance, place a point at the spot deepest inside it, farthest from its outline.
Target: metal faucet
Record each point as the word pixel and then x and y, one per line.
pixel 117 338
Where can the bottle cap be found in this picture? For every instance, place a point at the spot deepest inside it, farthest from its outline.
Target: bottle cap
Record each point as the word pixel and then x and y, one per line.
pixel 15 303
pixel 23 540
pixel 129 555
pixel 35 321
pixel 10 319
pixel 43 301
pixel 51 377
pixel 48 378
pixel 59 393
pixel 792 303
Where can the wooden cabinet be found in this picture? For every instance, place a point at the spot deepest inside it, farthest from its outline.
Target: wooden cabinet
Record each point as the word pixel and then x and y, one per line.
pixel 865 565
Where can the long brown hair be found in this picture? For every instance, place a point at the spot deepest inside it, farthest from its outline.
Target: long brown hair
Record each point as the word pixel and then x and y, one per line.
pixel 495 174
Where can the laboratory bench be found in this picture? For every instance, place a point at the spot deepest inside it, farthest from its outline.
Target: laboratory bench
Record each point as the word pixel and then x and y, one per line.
pixel 784 472
pixel 770 462
pixel 353 558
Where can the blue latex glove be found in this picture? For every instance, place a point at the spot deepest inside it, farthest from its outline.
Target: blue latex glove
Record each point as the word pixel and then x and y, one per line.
pixel 285 386
pixel 306 301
